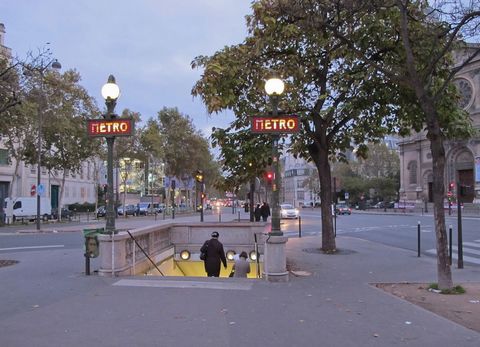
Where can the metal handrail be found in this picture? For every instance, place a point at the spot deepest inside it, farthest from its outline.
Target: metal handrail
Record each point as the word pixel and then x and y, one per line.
pixel 134 240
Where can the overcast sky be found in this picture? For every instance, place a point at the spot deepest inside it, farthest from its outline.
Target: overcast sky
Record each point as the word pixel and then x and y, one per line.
pixel 147 45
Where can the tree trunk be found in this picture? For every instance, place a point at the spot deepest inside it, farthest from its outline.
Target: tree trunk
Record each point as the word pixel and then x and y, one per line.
pixel 319 155
pixel 14 178
pixel 444 273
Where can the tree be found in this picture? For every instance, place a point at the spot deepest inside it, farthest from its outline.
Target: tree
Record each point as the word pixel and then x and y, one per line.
pixel 65 108
pixel 338 100
pixel 412 43
pixel 244 157
pixel 16 125
pixel 185 148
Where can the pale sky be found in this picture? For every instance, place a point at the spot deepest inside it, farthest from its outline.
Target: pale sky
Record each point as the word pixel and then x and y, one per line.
pixel 147 45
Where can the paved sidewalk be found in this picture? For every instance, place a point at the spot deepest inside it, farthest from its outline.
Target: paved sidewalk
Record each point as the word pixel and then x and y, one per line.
pixel 47 301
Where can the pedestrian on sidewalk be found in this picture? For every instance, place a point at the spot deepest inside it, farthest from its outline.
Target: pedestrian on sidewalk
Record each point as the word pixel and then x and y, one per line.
pixel 241 267
pixel 215 254
pixel 258 213
pixel 265 211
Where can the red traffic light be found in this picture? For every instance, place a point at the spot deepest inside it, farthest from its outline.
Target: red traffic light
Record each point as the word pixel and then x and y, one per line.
pixel 269 176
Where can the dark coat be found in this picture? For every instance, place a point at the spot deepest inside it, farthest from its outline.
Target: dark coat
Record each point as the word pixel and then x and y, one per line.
pixel 215 254
pixel 265 211
pixel 257 213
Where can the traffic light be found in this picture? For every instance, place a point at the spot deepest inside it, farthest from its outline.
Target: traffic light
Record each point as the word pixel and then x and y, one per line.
pixel 105 189
pixel 451 186
pixel 204 196
pixel 269 176
pixel 199 176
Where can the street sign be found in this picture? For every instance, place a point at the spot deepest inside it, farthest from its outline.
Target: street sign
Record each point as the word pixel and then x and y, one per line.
pixel 281 124
pixel 33 190
pixel 110 127
pixel 347 195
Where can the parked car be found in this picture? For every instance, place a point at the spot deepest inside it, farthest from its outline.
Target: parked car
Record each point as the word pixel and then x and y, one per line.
pixel 66 213
pixel 130 210
pixel 159 208
pixel 101 211
pixel 144 208
pixel 343 209
pixel 383 204
pixel 288 211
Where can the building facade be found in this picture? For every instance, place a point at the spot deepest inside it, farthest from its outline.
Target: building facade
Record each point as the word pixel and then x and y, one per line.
pixel 300 185
pixel 462 157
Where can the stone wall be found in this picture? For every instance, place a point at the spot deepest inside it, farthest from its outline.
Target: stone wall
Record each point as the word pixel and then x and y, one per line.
pixel 165 241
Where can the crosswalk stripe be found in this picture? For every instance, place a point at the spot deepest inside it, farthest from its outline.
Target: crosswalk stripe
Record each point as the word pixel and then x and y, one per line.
pixel 471 244
pixel 466 258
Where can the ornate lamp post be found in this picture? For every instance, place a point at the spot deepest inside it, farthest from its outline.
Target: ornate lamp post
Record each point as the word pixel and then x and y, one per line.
pixel 54 64
pixel 110 93
pixel 274 88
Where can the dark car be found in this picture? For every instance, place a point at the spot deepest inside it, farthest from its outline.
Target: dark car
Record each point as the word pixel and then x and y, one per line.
pixel 66 213
pixel 101 211
pixel 130 210
pixel 343 209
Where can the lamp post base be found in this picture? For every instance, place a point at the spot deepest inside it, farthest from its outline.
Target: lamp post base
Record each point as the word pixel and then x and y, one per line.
pixel 275 259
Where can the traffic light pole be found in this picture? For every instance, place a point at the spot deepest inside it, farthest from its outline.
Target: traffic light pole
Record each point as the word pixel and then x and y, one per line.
pixel 201 201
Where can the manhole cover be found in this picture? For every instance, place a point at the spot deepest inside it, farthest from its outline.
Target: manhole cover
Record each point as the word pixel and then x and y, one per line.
pixel 339 251
pixel 7 262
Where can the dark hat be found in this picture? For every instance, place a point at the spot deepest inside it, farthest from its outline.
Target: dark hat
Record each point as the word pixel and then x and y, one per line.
pixel 215 234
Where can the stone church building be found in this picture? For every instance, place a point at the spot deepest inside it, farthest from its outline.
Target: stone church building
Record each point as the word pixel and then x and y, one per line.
pixel 462 157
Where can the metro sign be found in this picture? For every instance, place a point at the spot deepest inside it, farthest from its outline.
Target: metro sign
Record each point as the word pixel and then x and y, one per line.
pixel 281 124
pixel 110 127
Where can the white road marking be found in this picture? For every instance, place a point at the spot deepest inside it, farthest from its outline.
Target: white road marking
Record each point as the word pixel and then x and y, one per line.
pixel 455 256
pixel 186 284
pixel 31 247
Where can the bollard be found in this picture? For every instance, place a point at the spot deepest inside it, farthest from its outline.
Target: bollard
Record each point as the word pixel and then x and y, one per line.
pixel 219 216
pixel 459 235
pixel 418 239
pixel 450 245
pixel 239 216
pixel 299 226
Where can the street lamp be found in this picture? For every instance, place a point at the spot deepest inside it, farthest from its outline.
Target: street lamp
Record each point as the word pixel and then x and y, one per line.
pixel 274 88
pixel 110 93
pixel 54 64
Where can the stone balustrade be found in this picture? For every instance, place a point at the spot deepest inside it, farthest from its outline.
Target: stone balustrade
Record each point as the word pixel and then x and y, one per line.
pixel 166 241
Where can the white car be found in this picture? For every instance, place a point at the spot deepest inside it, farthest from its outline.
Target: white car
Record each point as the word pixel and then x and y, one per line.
pixel 288 211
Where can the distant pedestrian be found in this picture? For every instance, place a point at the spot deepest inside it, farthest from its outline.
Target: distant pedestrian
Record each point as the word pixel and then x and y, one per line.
pixel 257 213
pixel 265 211
pixel 241 267
pixel 215 253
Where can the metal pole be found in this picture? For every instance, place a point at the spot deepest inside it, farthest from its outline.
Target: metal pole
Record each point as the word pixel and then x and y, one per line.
pixel 418 239
pixel 459 233
pixel 201 200
pixel 110 226
pixel 39 162
pixel 299 226
pixel 335 205
pixel 87 264
pixel 450 241
pixel 276 230
pixel 251 203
